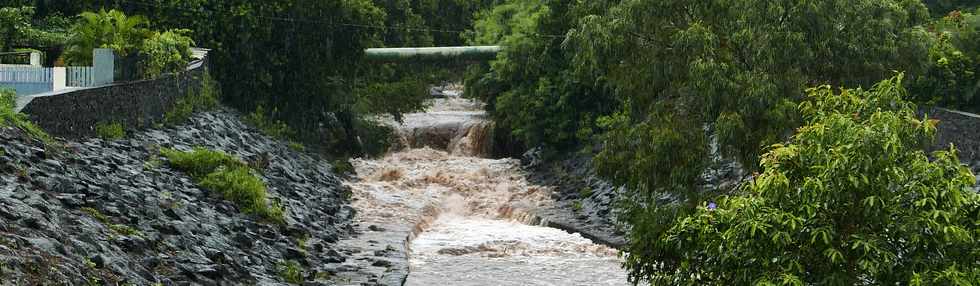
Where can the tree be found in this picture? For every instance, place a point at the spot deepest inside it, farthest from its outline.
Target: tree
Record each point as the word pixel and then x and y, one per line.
pixel 953 76
pixel 531 89
pixel 851 200
pixel 104 29
pixel 18 29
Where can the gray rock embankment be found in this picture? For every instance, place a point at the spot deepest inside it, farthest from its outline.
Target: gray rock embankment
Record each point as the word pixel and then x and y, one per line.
pixel 114 212
pixel 586 203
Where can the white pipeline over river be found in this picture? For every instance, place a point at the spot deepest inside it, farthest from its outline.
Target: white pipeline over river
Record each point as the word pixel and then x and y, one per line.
pixel 468 219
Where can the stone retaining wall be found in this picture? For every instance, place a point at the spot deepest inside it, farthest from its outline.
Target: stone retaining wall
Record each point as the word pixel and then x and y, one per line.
pixel 959 128
pixel 136 105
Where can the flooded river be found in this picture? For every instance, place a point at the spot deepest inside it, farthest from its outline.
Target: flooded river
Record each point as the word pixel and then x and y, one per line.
pixel 471 215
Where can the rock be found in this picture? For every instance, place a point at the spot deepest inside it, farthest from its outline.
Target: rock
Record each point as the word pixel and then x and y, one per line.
pixel 99 260
pixel 458 251
pixel 381 263
pixel 159 225
pixel 44 244
pixel 70 200
pixel 293 253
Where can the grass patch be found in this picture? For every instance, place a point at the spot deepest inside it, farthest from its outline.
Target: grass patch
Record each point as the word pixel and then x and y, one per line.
pixel 8 100
pixel 206 98
pixel 201 161
pixel 110 131
pixel 230 177
pixel 291 272
pixel 265 122
pixel 585 192
pixel 296 146
pixel 246 190
pixel 577 206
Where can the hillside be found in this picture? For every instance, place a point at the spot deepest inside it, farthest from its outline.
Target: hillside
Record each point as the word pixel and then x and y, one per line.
pixel 115 212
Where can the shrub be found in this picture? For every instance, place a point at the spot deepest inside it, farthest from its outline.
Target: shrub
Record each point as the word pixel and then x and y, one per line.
pixel 852 200
pixel 203 99
pixel 230 177
pixel 266 123
pixel 167 52
pixel 110 131
pixel 291 272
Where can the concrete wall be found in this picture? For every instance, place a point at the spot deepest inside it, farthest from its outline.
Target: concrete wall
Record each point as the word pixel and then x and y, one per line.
pixel 959 128
pixel 135 105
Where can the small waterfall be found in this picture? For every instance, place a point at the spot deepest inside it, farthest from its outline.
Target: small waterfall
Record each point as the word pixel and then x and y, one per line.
pixel 455 124
pixel 476 141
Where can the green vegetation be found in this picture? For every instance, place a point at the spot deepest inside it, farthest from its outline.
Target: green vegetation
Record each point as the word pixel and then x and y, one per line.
pixel 246 190
pixel 530 89
pixel 158 52
pixel 302 58
pixel 852 199
pixel 104 29
pixel 196 100
pixel 110 131
pixel 166 52
pixel 291 272
pixel 201 162
pixel 228 176
pixel 266 123
pixel 21 28
pixel 650 84
pixel 577 206
pixel 120 229
pixel 942 7
pixel 8 100
pixel 296 146
pixel 952 78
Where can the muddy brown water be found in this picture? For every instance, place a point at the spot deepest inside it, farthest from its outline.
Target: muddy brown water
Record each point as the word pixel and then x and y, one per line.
pixel 472 215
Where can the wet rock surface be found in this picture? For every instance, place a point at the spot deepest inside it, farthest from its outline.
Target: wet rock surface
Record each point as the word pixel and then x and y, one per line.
pixel 584 202
pixel 114 212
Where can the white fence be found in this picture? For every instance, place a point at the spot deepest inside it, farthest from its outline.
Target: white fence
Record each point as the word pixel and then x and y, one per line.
pixel 80 77
pixel 27 80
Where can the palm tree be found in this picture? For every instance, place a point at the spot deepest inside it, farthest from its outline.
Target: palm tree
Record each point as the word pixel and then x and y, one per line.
pixel 104 29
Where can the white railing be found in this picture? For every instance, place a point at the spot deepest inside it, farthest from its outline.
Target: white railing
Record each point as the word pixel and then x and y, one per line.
pixel 27 79
pixel 33 79
pixel 80 77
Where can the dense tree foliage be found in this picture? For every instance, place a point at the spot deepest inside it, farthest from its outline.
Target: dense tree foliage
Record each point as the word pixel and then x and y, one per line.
pixel 851 200
pixel 657 83
pixel 531 88
pixel 941 7
pixel 18 28
pixel 301 60
pixel 952 79
pixel 104 29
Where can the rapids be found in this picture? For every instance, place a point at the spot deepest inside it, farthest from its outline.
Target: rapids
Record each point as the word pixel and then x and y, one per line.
pixel 473 216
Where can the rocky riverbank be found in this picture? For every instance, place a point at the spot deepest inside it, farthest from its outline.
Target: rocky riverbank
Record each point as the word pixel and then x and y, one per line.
pixel 114 212
pixel 585 202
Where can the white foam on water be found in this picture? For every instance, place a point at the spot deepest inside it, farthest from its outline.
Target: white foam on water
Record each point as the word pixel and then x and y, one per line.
pixel 473 212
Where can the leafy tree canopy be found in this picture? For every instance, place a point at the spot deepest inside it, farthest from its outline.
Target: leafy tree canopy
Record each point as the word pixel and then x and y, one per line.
pixel 852 200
